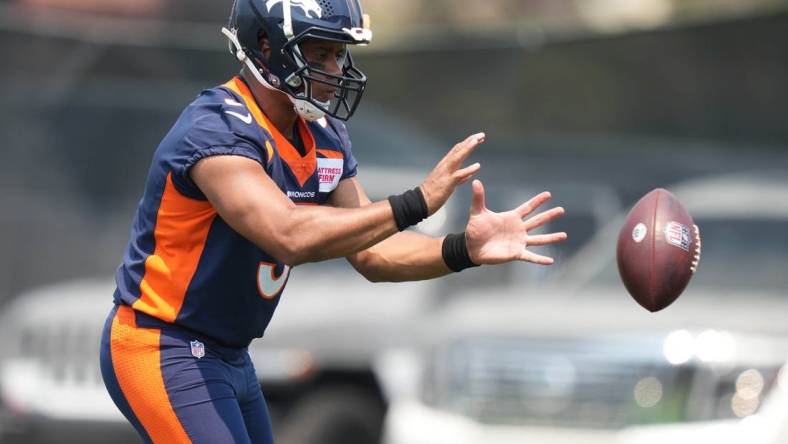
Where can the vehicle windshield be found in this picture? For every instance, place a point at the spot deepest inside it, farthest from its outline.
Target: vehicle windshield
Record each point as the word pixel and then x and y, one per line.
pixel 740 253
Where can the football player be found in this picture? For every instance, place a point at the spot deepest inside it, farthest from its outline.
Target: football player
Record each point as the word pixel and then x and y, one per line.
pixel 257 176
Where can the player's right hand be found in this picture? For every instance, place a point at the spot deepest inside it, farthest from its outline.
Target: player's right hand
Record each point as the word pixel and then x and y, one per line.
pixel 448 174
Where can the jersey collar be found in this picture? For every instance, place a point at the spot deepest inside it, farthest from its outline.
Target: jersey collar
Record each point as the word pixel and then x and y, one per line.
pixel 303 167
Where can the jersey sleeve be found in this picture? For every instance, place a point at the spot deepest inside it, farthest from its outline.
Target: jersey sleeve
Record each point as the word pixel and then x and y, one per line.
pixel 214 125
pixel 350 167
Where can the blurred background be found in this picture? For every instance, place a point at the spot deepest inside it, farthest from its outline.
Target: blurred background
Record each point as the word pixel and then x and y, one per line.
pixel 598 101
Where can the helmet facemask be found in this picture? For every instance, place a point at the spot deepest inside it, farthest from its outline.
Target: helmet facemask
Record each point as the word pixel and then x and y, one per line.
pixel 349 85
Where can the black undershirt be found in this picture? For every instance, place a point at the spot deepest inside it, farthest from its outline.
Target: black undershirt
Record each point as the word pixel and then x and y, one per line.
pixel 297 141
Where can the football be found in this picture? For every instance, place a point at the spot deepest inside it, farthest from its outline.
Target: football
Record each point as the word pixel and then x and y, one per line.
pixel 658 250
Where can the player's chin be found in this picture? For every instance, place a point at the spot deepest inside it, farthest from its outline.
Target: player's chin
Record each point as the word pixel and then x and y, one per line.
pixel 324 96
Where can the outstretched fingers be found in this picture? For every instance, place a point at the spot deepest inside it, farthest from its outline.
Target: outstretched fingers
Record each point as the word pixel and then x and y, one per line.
pixel 537 221
pixel 534 203
pixel 466 173
pixel 462 150
pixel 543 218
pixel 540 240
pixel 529 256
pixel 477 201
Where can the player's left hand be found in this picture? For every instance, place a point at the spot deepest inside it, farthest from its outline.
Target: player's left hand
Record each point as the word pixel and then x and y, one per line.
pixel 496 238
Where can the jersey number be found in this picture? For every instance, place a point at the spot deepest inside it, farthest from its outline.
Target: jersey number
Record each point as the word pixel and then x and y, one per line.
pixel 268 285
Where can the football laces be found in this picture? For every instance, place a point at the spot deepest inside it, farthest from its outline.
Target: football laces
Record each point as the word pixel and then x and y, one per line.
pixel 696 257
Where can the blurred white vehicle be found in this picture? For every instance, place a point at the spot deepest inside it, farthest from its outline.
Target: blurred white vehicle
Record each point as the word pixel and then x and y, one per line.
pixel 50 383
pixel 580 361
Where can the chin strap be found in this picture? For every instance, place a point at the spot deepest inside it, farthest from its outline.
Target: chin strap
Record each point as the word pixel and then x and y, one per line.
pixel 304 108
pixel 237 49
pixel 307 110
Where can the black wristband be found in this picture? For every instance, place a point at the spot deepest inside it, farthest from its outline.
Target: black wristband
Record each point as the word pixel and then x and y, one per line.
pixel 409 208
pixel 455 253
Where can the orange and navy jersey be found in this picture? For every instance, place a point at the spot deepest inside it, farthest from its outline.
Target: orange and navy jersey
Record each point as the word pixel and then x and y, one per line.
pixel 184 265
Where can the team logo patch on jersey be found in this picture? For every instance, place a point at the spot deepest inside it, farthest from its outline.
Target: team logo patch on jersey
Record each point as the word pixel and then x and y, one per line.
pixel 198 349
pixel 329 171
pixel 678 235
pixel 309 6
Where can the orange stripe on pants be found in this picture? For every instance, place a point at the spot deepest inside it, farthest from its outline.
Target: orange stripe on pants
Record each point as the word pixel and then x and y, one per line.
pixel 135 359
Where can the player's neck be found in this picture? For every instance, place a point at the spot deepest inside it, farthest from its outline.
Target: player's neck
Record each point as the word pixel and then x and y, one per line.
pixel 276 106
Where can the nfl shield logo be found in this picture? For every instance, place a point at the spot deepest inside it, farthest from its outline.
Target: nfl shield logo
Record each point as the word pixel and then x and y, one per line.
pixel 678 235
pixel 198 349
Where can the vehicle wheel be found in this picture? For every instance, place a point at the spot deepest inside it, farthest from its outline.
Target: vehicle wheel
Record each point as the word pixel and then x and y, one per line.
pixel 340 415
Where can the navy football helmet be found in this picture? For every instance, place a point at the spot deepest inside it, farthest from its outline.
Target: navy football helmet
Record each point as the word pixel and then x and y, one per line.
pixel 286 23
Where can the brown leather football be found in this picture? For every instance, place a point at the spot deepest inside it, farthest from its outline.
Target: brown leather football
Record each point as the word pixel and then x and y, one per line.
pixel 658 250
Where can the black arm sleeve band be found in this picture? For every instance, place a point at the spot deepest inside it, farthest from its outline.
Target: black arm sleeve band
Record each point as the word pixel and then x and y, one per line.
pixel 455 253
pixel 409 208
